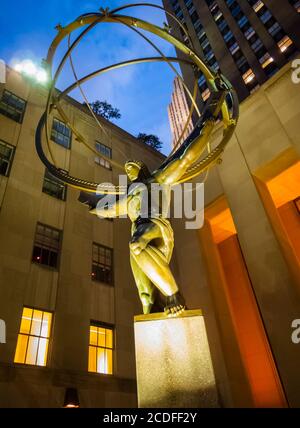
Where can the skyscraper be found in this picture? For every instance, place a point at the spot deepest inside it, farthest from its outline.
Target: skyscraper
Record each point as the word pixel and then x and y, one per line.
pixel 178 114
pixel 247 40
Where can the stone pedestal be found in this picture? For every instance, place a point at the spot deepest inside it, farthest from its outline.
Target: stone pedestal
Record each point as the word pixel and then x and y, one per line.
pixel 174 367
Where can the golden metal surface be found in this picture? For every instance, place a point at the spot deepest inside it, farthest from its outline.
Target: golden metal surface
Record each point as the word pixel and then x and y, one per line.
pixel 93 19
pixel 152 240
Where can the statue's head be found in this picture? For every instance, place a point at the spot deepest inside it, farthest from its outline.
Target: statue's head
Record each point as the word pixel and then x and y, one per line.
pixel 136 171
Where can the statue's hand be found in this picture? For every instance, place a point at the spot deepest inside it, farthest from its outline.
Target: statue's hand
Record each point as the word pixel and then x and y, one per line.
pixel 138 245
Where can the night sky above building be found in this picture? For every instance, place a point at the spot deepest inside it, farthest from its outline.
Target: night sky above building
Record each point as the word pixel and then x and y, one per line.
pixel 141 92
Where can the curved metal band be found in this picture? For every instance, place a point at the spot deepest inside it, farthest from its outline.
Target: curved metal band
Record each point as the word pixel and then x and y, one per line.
pixel 215 82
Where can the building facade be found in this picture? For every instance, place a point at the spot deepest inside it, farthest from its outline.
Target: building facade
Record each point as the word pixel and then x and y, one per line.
pixel 67 294
pixel 178 112
pixel 248 41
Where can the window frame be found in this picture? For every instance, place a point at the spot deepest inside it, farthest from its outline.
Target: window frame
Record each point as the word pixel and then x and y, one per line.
pixel 55 119
pixel 49 338
pixel 10 116
pixel 54 181
pixel 108 168
pixel 97 263
pixel 106 326
pixel 10 162
pixel 47 266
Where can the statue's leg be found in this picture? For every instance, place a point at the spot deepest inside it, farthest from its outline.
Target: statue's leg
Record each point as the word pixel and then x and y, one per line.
pixel 145 287
pixel 152 263
pixel 145 251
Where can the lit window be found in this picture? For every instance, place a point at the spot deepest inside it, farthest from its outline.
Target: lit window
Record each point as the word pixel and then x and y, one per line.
pixel 12 106
pixel 248 76
pixel 46 246
pixel 284 43
pixel 33 339
pixel 258 5
pixel 6 157
pixel 104 151
pixel 296 4
pixel 61 134
pixel 205 94
pixel 102 268
pixel 101 349
pixel 265 60
pixel 54 187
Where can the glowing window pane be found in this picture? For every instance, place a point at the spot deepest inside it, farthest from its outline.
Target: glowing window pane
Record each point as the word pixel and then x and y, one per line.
pixel 101 361
pixel 109 339
pixel 26 321
pixel 93 336
pixel 92 359
pixel 36 323
pixel 42 352
pixel 46 325
pixel 109 361
pixel 21 349
pixel 101 337
pixel 32 350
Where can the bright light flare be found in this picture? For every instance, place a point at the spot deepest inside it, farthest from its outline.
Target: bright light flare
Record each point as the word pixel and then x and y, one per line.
pixel 28 68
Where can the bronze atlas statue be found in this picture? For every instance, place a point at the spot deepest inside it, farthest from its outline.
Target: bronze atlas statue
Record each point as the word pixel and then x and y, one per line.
pixel 152 240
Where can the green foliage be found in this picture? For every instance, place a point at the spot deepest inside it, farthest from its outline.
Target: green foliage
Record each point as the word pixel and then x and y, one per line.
pixel 152 140
pixel 106 110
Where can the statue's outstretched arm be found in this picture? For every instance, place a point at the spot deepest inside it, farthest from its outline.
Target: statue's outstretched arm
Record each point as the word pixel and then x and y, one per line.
pixel 107 206
pixel 176 166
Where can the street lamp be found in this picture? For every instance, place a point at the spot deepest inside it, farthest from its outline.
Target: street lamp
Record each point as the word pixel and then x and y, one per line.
pixel 71 400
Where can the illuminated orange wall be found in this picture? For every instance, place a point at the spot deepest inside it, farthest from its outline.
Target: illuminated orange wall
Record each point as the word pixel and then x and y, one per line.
pixel 255 378
pixel 291 220
pixel 279 184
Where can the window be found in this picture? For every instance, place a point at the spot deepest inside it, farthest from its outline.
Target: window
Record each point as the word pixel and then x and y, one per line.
pixel 101 349
pixel 54 187
pixel 33 339
pixel 102 269
pixel 248 76
pixel 61 134
pixel 104 151
pixel 6 156
pixel 12 106
pixel 46 246
pixel 284 43
pixel 296 4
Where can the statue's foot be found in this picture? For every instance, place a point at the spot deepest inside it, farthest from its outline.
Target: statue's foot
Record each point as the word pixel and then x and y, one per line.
pixel 175 305
pixel 147 303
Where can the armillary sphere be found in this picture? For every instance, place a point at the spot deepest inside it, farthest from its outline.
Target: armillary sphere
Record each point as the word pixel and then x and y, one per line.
pixel 216 82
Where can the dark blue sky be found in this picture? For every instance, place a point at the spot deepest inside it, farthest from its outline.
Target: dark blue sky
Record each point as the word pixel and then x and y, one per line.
pixel 141 92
